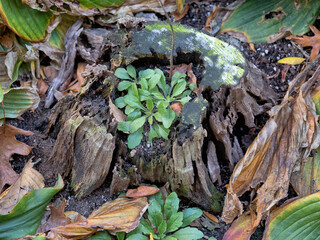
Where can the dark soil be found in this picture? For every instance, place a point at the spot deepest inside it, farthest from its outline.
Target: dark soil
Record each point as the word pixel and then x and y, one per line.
pixel 265 58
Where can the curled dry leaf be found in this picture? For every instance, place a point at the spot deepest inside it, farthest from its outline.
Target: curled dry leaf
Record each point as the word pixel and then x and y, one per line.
pixel 176 107
pixel 239 229
pixel 29 179
pixel 289 135
pixel 142 191
pixel 10 145
pixel 120 215
pixel 306 41
pixel 117 113
pixel 76 85
pixel 212 217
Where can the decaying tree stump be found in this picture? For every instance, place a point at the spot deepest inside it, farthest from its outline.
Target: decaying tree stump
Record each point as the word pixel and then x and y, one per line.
pixel 88 144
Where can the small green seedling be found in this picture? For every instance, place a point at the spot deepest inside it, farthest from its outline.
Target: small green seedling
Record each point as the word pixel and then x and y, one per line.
pixel 165 222
pixel 147 100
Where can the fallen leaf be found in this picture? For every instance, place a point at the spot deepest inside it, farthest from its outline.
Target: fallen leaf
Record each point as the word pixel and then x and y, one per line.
pixel 239 229
pixel 6 39
pixel 119 215
pixel 10 145
pixel 176 107
pixel 212 217
pixel 142 191
pixel 180 4
pixel 179 15
pixel 75 86
pixel 29 179
pixel 116 112
pixel 306 41
pixel 291 60
pixel 270 159
pixel 57 218
pixel 251 46
pixel 42 87
pixel 48 72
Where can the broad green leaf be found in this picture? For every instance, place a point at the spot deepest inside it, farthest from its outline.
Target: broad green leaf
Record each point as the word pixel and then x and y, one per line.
pixel 162 107
pixel 120 235
pixel 150 120
pixel 135 90
pixel 190 214
pixel 179 88
pixel 258 21
pixel 132 71
pixel 184 100
pixel 119 102
pixel 27 23
pixel 158 116
pixel 26 216
pixel 171 205
pixel 100 4
pixel 144 84
pixel 153 81
pixel 170 238
pixel 124 126
pixel 41 237
pixel 101 236
pixel 137 236
pixel 157 197
pixel 162 227
pixel 146 73
pixel 132 101
pixel 176 77
pixel 146 228
pixel 174 222
pixel 134 139
pixel 152 134
pixel 162 131
pixel 18 100
pixel 137 124
pixel 188 233
pixel 1 94
pixel 134 115
pixel 129 110
pixel 122 74
pixel 158 95
pixel 162 82
pixel 168 118
pixel 155 214
pixel 149 104
pixel 124 85
pixel 192 86
pixel 298 219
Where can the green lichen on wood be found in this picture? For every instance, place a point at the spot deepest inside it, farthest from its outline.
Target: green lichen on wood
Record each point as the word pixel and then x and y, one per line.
pixel 224 64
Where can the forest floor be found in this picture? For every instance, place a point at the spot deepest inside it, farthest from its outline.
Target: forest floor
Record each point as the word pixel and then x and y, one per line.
pixel 265 58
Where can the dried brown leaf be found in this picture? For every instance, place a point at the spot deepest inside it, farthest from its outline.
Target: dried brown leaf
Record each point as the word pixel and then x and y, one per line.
pixel 75 86
pixel 212 217
pixel 117 113
pixel 29 179
pixel 306 41
pixel 120 215
pixel 178 16
pixel 142 191
pixel 10 145
pixel 270 159
pixel 176 107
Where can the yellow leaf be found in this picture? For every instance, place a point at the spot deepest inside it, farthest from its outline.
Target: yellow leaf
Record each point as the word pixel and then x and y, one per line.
pixel 291 60
pixel 151 236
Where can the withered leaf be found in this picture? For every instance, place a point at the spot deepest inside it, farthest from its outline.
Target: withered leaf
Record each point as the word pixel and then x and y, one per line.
pixel 142 191
pixel 10 145
pixel 306 41
pixel 240 229
pixel 270 159
pixel 120 215
pixel 29 179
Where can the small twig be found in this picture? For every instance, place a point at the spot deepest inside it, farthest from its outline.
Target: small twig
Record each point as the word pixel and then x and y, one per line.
pixel 306 55
pixel 172 40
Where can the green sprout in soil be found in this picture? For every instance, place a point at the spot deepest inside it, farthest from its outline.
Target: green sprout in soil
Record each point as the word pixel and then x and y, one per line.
pixel 147 101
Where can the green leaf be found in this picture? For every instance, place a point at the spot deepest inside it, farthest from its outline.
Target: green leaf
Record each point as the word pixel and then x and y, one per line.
pixel 298 219
pixel 134 115
pixel 134 139
pixel 192 86
pixel 158 116
pixel 135 90
pixel 129 110
pixel 146 228
pixel 174 222
pixel 162 131
pixel 158 95
pixel 26 216
pixel 179 88
pixel 162 82
pixel 177 76
pixel 100 4
pixel 152 134
pixel 144 84
pixel 188 233
pixel 119 102
pixel 101 236
pixel 162 107
pixel 120 235
pixel 146 73
pixel 124 85
pixel 170 238
pixel 132 101
pixel 190 214
pixel 124 126
pixel 155 214
pixel 162 227
pixel 27 23
pixel 137 124
pixel 184 100
pixel 157 197
pixel 168 118
pixel 18 100
pixel 132 71
pixel 150 120
pixel 41 237
pixel 122 73
pixel 258 21
pixel 1 93
pixel 171 205
pixel 137 236
pixel 154 80
pixel 212 238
